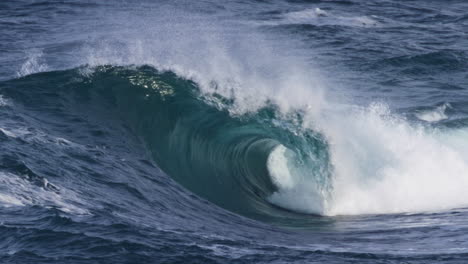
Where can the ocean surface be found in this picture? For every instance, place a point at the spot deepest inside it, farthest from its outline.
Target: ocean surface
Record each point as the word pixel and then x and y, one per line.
pixel 244 131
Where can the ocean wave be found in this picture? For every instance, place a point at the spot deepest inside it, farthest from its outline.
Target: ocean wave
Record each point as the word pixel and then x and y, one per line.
pixel 344 160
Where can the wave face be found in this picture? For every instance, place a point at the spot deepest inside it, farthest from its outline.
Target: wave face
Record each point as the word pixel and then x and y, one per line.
pixel 241 162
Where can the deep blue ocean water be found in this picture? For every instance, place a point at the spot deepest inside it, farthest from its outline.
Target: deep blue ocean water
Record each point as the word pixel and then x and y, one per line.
pixel 234 132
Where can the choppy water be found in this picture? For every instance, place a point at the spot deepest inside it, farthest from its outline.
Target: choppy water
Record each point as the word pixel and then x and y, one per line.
pixel 233 132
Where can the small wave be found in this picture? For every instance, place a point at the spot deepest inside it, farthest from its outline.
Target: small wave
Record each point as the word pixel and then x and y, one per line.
pixel 434 115
pixel 319 16
pixel 307 14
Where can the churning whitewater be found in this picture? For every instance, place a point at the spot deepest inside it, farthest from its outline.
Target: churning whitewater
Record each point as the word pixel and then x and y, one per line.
pixel 242 131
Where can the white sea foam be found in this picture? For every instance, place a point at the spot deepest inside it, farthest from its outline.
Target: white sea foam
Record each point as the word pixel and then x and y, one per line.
pixel 381 164
pixel 384 164
pixel 319 16
pixel 296 191
pixel 33 64
pixel 434 115
pixel 305 15
pixel 279 168
pixel 4 101
pixel 8 201
pixel 17 191
pixel 298 188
